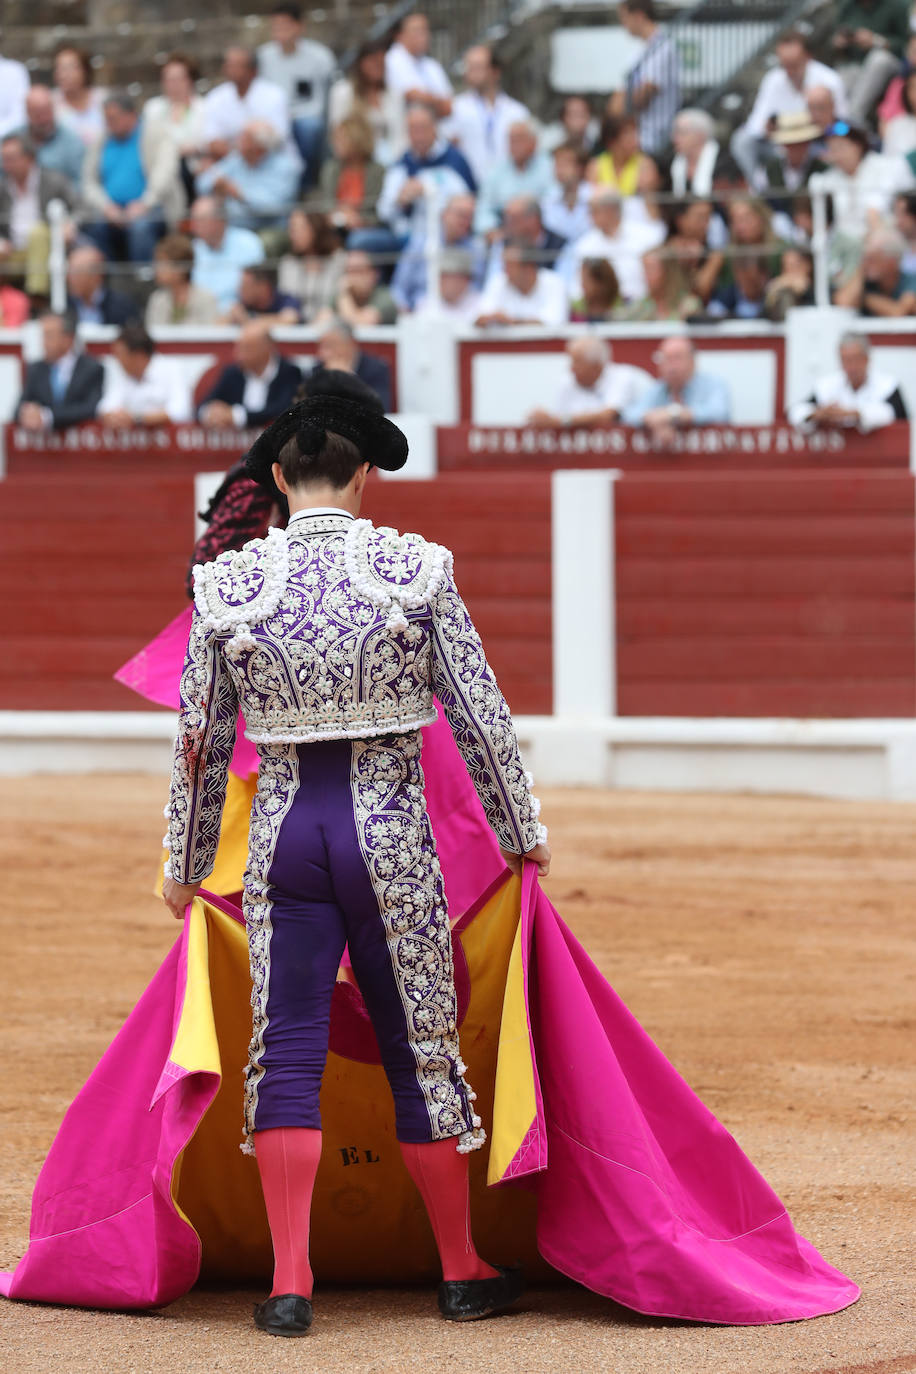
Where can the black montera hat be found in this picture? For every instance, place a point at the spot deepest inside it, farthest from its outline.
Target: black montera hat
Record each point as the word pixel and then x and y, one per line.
pixel 335 401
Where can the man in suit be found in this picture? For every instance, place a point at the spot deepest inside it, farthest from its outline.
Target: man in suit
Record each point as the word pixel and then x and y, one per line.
pixel 256 388
pixel 338 349
pixel 63 388
pixel 26 191
pixel 90 300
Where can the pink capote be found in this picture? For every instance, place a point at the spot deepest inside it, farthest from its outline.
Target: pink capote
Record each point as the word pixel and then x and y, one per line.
pixel 643 1195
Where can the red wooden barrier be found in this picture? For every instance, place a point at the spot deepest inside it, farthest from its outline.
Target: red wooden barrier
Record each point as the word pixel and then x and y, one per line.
pixel 738 593
pixel 722 448
pixel 93 565
pixel 753 595
pixel 93 448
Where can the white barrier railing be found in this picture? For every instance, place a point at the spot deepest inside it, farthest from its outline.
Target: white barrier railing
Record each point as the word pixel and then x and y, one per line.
pixel 57 255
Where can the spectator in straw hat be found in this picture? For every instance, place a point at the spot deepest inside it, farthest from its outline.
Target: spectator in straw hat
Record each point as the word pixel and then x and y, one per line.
pixel 784 89
pixel 792 159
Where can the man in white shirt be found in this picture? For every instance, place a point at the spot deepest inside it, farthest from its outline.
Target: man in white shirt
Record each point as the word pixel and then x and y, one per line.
pixel 303 69
pixel 458 300
pixel 523 293
pixel 14 86
pixel 856 397
pixel 239 100
pixel 596 392
pixel 482 114
pixel 621 241
pixel 783 91
pixel 410 71
pixel 143 387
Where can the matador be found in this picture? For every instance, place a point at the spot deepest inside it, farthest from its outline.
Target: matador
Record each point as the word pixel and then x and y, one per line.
pixel 333 637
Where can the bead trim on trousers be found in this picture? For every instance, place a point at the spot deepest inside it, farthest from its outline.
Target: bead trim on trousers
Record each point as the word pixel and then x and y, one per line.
pixel 278 782
pixel 396 843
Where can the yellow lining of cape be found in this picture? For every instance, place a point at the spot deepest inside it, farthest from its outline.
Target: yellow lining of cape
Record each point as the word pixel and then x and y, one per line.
pixel 515 1101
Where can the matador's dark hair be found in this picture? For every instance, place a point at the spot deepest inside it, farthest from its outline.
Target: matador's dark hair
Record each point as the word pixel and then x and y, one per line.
pixel 315 455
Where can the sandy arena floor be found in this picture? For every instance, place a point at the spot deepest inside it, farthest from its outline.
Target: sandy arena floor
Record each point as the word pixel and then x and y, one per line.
pixel 768 946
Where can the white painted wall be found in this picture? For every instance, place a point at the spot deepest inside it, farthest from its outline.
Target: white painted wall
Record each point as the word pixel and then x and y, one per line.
pixel 598 59
pixel 422 461
pixel 751 377
pixel 584 594
pixel 428 368
pixel 10 386
pixel 867 760
pixel 899 361
pixel 205 485
pixel 592 59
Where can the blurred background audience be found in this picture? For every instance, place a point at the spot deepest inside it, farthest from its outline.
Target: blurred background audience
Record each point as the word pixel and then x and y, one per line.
pixel 299 183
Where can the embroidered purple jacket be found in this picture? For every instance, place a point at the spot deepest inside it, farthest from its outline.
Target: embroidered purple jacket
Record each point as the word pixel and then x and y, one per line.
pixel 333 629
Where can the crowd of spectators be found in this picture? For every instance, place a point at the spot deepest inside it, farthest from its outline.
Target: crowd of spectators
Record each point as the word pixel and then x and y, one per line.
pixel 291 193
pixel 642 208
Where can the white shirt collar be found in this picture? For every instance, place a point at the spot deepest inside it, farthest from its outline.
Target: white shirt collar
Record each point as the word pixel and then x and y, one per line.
pixel 267 376
pixel 320 510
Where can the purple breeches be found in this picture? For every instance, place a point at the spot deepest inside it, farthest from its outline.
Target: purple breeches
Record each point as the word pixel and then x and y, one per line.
pixel 341 853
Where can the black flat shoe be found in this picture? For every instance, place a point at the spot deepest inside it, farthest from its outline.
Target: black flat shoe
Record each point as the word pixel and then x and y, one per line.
pixel 287 1314
pixel 467 1300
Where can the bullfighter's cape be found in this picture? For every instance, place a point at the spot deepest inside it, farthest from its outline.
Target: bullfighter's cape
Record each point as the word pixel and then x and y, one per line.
pixel 602 1162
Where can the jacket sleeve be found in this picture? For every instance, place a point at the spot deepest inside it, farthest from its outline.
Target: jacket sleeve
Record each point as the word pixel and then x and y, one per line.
pixel 31 391
pixel 280 396
pixel 207 723
pixel 161 169
pixel 800 412
pixel 481 722
pixel 387 208
pixel 876 414
pixel 225 388
pixel 95 200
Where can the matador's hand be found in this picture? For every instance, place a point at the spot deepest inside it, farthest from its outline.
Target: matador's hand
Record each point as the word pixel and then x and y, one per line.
pixel 540 855
pixel 177 895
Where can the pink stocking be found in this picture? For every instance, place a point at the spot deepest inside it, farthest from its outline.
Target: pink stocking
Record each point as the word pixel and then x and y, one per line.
pixel 288 1162
pixel 441 1174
